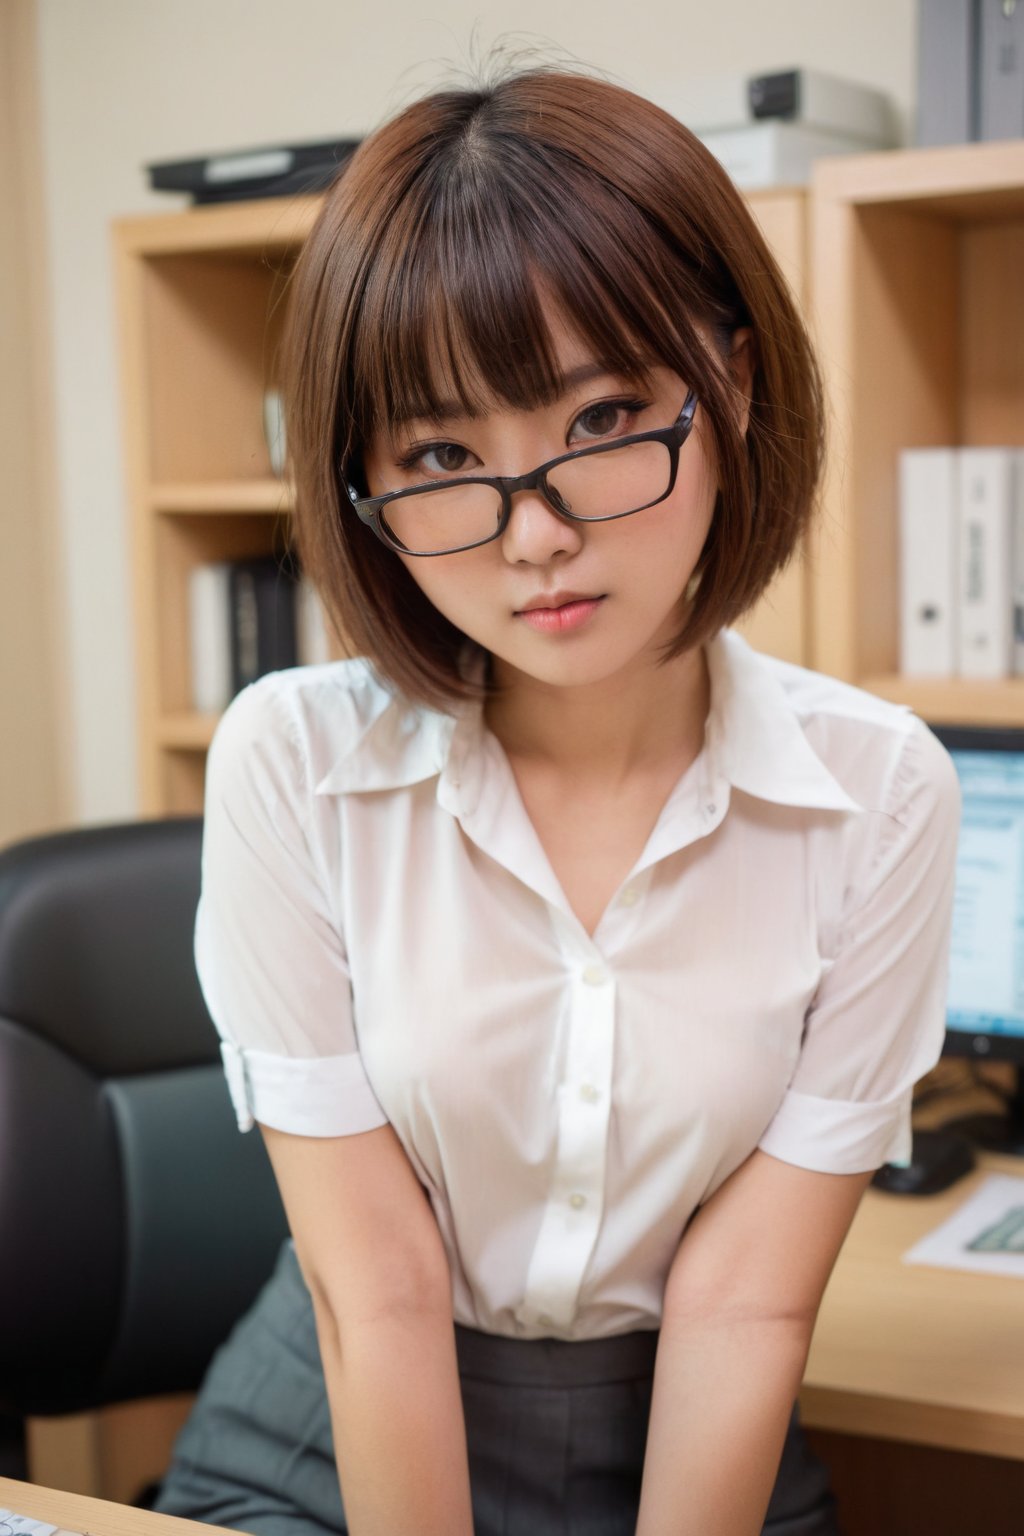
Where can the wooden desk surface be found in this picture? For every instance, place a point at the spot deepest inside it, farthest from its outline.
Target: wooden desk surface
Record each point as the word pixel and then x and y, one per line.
pixel 914 1353
pixel 94 1517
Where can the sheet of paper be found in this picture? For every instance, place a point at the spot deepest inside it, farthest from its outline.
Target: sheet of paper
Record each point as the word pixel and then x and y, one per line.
pixel 24 1525
pixel 985 1234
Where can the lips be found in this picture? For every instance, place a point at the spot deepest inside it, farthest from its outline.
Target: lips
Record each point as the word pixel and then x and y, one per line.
pixel 552 600
pixel 559 613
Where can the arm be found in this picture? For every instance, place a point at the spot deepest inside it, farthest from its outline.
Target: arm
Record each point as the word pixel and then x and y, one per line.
pixel 740 1305
pixel 747 1279
pixel 371 1253
pixel 272 960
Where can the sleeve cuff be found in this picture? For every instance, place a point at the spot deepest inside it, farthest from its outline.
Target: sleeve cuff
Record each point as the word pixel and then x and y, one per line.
pixel 308 1096
pixel 835 1136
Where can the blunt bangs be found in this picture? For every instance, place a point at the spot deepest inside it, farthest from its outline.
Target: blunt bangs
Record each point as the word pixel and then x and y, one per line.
pixel 456 234
pixel 454 319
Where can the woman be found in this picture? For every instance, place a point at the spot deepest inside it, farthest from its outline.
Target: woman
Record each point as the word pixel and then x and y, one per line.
pixel 576 962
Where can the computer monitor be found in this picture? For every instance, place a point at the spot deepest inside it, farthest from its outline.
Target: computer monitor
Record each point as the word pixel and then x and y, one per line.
pixel 985 1010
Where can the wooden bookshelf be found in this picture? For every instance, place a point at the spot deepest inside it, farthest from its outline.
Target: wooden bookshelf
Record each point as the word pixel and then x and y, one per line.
pixel 200 297
pixel 917 258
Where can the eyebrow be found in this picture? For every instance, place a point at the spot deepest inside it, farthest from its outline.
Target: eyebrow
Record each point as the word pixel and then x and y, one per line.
pixel 453 410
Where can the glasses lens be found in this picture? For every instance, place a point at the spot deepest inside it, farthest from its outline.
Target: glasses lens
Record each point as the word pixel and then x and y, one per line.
pixel 444 518
pixel 613 481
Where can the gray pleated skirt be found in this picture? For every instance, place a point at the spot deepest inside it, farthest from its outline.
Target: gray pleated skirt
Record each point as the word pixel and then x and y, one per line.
pixel 556 1433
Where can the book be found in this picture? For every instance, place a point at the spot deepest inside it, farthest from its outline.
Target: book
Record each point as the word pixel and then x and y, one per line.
pixel 263 627
pixel 928 530
pixel 210 635
pixel 985 478
pixel 243 621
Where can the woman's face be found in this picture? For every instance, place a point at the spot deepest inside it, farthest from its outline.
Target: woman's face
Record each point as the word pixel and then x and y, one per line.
pixel 561 602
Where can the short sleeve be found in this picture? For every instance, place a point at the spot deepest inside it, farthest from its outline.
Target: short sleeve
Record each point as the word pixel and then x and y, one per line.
pixel 878 1019
pixel 269 955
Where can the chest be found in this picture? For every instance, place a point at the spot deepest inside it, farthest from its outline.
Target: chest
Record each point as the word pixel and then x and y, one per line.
pixel 477 1000
pixel 593 839
pixel 472 915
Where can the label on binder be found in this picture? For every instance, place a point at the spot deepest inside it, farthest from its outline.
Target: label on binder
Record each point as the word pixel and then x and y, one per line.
pixel 986 639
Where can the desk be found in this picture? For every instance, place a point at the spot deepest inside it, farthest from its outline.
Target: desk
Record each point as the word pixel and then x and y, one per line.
pixel 912 1353
pixel 76 1512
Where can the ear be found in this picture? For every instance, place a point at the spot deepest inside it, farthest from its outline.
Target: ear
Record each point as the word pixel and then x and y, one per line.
pixel 742 361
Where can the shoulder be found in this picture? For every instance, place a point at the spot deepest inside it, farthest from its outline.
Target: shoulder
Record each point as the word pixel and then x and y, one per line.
pixel 295 725
pixel 882 753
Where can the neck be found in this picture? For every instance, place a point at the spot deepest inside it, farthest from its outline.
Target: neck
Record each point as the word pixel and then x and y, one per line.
pixel 638 720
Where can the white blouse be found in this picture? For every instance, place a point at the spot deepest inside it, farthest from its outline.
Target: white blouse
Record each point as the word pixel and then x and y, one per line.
pixel 380 937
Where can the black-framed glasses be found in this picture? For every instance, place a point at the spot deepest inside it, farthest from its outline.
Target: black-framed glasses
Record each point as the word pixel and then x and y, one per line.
pixel 589 485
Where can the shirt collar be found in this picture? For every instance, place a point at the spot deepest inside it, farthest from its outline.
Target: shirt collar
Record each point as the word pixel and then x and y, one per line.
pixel 400 745
pixel 754 740
pixel 755 734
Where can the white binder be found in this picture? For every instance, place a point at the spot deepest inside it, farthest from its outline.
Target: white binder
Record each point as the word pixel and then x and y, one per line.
pixel 210 635
pixel 928 562
pixel 1017 539
pixel 986 587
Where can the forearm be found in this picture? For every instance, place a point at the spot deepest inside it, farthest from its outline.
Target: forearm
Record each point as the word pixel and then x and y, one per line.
pixel 723 1394
pixel 398 1425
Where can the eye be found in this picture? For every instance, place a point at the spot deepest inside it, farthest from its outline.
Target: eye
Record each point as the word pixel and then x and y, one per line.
pixel 436 459
pixel 607 418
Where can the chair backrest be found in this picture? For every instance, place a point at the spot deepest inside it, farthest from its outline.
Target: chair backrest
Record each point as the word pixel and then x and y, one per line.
pixel 136 1223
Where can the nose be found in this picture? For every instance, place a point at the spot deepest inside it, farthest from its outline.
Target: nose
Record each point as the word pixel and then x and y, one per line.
pixel 535 532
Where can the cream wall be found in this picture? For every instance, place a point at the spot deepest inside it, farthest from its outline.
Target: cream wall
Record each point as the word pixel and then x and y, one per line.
pixel 124 82
pixel 35 756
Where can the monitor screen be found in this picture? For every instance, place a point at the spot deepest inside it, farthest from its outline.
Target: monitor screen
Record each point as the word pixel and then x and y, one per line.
pixel 985 1014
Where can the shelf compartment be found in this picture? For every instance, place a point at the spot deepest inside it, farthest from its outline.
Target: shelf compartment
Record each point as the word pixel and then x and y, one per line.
pixel 180 545
pixel 920 322
pixel 212 330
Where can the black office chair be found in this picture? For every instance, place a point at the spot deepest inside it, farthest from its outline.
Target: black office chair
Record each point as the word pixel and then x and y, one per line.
pixel 136 1224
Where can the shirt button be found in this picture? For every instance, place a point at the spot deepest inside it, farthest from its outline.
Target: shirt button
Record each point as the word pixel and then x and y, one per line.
pixel 545 1319
pixel 590 1093
pixel 711 807
pixel 630 896
pixel 595 975
pixel 577 1201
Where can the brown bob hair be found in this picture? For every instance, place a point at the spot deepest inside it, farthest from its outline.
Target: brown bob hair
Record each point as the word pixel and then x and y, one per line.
pixel 422 279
